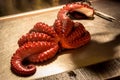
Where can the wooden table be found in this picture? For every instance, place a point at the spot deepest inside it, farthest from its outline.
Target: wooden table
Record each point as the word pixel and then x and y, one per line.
pixel 109 70
pixel 104 46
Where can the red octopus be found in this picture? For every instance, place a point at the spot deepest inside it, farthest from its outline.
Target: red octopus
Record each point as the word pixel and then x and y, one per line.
pixel 42 42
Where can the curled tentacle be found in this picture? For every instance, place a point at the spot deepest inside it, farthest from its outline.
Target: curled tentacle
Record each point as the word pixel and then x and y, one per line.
pixel 25 51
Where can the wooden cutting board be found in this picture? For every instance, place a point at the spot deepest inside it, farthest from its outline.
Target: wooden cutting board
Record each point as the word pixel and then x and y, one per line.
pixel 105 43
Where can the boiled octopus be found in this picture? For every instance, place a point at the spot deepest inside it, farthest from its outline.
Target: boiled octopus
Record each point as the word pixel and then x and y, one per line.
pixel 42 42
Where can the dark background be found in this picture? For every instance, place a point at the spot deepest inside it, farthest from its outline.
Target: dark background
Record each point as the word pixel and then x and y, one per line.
pixel 8 7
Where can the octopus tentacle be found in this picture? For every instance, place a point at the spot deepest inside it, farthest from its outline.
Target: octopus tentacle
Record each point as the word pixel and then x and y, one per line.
pixel 75 7
pixel 23 52
pixel 78 42
pixel 43 56
pixel 43 28
pixel 72 34
pixel 76 32
pixel 63 27
pixel 76 37
pixel 34 36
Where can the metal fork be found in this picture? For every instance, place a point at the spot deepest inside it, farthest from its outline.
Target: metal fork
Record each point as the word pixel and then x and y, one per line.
pixel 100 14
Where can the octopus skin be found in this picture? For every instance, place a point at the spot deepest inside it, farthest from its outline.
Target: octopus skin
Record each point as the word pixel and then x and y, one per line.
pixel 34 36
pixel 83 9
pixel 42 42
pixel 44 28
pixel 36 46
pixel 72 34
pixel 75 37
pixel 44 50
